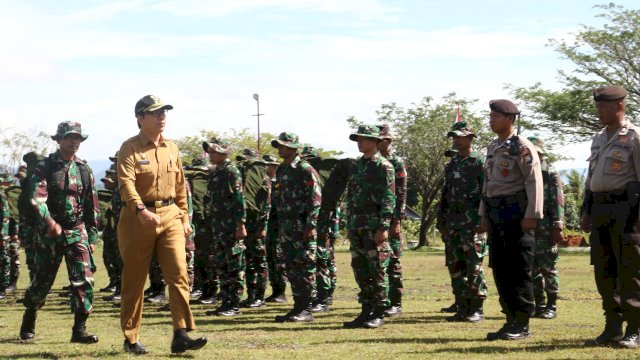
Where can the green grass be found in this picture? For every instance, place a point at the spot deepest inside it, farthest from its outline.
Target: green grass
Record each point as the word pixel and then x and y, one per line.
pixel 420 332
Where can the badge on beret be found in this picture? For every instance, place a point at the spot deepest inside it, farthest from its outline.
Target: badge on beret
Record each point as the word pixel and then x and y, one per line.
pixel 616 165
pixel 505 172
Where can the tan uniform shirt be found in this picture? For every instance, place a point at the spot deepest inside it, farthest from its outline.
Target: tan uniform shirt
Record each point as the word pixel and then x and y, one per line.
pixel 506 174
pixel 147 173
pixel 614 161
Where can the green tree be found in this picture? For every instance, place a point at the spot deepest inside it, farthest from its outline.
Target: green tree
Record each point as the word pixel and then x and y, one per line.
pixel 609 54
pixel 573 191
pixel 421 140
pixel 15 143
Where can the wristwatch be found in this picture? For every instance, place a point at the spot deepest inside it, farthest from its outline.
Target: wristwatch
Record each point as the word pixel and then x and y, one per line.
pixel 139 208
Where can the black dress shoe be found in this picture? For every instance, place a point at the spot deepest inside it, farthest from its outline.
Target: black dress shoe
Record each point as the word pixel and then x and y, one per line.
pixel 492 336
pixel 136 348
pixel 181 344
pixel 516 332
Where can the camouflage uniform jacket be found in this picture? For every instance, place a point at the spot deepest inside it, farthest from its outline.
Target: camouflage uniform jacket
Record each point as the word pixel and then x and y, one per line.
pixel 371 197
pixel 116 205
pixel 553 196
pixel 401 186
pixel 258 220
pixel 6 216
pixel 461 192
pixel 297 195
pixel 65 201
pixel 225 197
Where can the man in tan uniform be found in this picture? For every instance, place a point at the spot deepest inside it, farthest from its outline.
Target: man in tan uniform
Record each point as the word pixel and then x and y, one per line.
pixel 610 213
pixel 154 220
pixel 512 203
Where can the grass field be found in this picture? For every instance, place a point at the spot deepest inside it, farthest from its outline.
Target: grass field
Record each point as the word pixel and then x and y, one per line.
pixel 420 332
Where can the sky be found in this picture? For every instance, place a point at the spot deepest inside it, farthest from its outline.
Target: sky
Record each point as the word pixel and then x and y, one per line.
pixel 313 63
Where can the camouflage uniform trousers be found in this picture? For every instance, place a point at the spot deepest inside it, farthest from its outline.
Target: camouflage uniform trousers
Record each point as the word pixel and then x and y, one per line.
pixel 369 262
pixel 323 263
pixel 300 260
pixel 465 254
pixel 14 255
pixel 111 256
pixel 227 257
pixel 205 276
pixel 48 256
pixel 190 249
pixel 394 270
pixel 257 270
pixel 545 263
pixel 275 262
pixel 5 262
pixel 333 269
pixel 27 235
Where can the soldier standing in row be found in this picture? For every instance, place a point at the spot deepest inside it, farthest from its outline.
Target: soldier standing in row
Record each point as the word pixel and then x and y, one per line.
pixel 370 204
pixel 297 198
pixel 457 222
pixel 394 270
pixel 228 217
pixel 610 212
pixel 27 213
pixel 548 235
pixel 275 256
pixel 5 258
pixel 510 209
pixel 62 192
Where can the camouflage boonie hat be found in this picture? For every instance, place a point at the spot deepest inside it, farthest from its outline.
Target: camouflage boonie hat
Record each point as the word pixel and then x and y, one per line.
pixel 385 131
pixel 114 158
pixel 216 145
pixel 287 139
pixel 538 144
pixel 68 127
pixel 461 129
pixel 150 103
pixel 309 151
pixel 112 169
pixel 270 160
pixel 370 131
pixel 247 154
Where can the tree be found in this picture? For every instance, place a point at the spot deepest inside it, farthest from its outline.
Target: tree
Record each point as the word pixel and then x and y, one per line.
pixel 191 146
pixel 421 140
pixel 573 190
pixel 15 143
pixel 609 54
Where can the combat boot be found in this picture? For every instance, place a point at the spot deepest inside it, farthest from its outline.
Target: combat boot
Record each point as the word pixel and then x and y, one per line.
pixel 195 293
pixel 550 311
pixel 396 307
pixel 80 334
pixel 611 334
pixel 113 297
pixel 303 316
pixel 158 295
pixel 109 288
pixel 461 314
pixel 631 337
pixel 376 319
pixel 492 336
pixel 329 300
pixel 182 342
pixel 258 302
pixel 12 287
pixel 232 309
pixel 519 330
pixel 450 309
pixel 320 305
pixel 251 296
pixel 297 308
pixel 475 313
pixel 365 314
pixel 277 296
pixel 28 327
pixel 208 296
pixel 541 305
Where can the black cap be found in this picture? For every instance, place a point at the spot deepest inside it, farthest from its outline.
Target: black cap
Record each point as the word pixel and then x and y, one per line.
pixel 609 93
pixel 504 106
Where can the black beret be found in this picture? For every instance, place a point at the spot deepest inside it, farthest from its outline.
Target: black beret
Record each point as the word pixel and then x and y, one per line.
pixel 609 93
pixel 504 106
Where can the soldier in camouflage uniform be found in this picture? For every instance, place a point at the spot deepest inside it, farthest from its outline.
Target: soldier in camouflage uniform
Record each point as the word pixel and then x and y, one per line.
pixel 548 234
pixel 275 256
pixel 63 194
pixel 12 192
pixel 257 269
pixel 111 250
pixel 370 203
pixel 27 214
pixel 395 235
pixel 107 225
pixel 457 221
pixel 228 217
pixel 297 198
pixel 5 258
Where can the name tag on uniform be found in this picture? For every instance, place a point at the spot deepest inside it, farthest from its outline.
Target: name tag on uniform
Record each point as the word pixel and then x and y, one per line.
pixel 143 162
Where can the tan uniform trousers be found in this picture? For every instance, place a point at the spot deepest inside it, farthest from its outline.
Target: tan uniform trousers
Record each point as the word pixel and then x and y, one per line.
pixel 138 244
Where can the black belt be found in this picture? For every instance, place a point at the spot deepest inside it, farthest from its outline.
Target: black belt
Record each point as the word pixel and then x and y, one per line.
pixel 610 197
pixel 159 203
pixel 506 199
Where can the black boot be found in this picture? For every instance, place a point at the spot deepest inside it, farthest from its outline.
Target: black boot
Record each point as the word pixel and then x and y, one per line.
pixel 461 314
pixel 258 302
pixel 611 334
pixel 550 311
pixel 232 309
pixel 113 297
pixel 181 342
pixel 135 348
pixel 12 287
pixel 277 296
pixel 519 330
pixel 80 334
pixel 539 298
pixel 284 318
pixel 109 288
pixel 329 300
pixel 365 314
pixel 28 328
pixel 251 296
pixel 157 296
pixel 208 295
pixel 451 309
pixel 631 336
pixel 376 319
pixel 305 314
pixel 475 313
pixel 492 336
pixel 320 304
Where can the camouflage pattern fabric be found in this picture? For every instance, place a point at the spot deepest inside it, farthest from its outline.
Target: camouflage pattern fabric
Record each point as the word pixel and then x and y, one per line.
pixel 458 215
pixel 5 258
pixel 297 198
pixel 227 210
pixel 257 269
pixel 198 178
pixel 394 270
pixel 59 195
pixel 275 256
pixel 107 224
pixel 189 244
pixel 27 213
pixel 13 194
pixel 370 204
pixel 545 271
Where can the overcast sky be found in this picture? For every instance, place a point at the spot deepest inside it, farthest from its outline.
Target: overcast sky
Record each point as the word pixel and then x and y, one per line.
pixel 313 62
